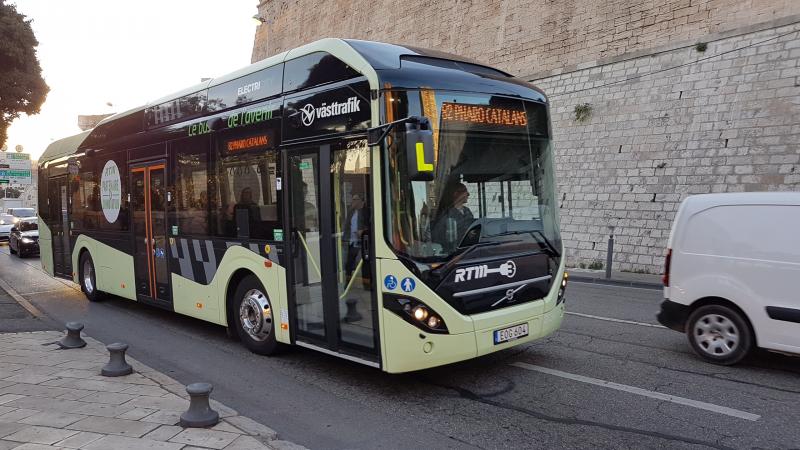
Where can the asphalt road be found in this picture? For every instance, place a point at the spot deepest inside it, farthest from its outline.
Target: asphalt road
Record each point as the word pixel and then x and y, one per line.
pixel 599 383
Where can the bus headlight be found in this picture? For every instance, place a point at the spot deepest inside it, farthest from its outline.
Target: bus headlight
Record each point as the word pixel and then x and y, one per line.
pixel 562 289
pixel 415 312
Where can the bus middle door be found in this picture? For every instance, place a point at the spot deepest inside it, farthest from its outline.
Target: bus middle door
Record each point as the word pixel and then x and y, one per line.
pixel 149 215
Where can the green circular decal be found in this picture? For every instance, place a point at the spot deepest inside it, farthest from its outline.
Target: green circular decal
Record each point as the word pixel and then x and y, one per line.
pixel 110 191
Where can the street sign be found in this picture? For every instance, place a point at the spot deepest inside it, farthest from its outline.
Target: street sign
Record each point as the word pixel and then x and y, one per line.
pixel 16 168
pixel 3 181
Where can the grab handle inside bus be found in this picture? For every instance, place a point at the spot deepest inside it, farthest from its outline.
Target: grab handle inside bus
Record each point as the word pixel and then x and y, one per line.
pixel 418 138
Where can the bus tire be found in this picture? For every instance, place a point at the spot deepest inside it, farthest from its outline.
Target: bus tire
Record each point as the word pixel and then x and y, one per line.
pixel 719 334
pixel 253 315
pixel 88 278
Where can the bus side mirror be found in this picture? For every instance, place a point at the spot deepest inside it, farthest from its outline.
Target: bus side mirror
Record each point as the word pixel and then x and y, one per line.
pixel 419 150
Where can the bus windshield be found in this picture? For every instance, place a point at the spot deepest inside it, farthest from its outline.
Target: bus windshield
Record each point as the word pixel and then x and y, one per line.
pixel 493 180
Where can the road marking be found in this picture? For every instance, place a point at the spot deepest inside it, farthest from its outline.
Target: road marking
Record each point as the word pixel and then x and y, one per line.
pixel 611 319
pixel 20 299
pixel 643 392
pixel 609 285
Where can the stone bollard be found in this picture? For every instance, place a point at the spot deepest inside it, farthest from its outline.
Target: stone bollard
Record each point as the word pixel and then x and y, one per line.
pixel 352 313
pixel 117 366
pixel 200 414
pixel 73 338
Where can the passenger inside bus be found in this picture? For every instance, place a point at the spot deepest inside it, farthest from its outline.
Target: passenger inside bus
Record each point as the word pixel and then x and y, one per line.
pixel 247 214
pixel 354 228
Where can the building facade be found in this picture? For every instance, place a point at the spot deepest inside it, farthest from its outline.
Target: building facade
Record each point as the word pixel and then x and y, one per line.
pixel 652 100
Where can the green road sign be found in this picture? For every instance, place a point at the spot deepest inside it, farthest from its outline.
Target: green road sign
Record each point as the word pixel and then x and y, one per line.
pixel 3 181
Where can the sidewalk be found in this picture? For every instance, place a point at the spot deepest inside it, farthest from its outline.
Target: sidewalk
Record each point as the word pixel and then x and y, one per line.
pixel 52 398
pixel 630 279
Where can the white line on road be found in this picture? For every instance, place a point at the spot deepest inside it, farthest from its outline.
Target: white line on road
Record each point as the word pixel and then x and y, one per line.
pixel 639 391
pixel 20 299
pixel 589 283
pixel 611 319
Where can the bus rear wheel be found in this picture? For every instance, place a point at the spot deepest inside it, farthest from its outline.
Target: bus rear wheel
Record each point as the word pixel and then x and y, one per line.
pixel 253 316
pixel 88 278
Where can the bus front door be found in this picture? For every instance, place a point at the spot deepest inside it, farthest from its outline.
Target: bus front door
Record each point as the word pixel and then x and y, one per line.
pixel 149 212
pixel 330 231
pixel 62 253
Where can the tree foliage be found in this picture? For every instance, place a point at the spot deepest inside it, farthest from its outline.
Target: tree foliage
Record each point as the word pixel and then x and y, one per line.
pixel 22 88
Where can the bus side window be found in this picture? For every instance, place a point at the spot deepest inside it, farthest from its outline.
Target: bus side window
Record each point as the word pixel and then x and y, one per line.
pixel 249 203
pixel 191 186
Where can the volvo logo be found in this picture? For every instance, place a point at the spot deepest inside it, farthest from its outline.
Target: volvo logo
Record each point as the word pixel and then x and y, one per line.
pixel 307 114
pixel 509 297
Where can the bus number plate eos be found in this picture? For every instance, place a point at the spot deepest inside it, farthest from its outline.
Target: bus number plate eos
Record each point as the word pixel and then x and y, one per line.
pixel 510 333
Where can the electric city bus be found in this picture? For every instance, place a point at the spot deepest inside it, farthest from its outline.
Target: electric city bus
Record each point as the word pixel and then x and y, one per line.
pixel 389 205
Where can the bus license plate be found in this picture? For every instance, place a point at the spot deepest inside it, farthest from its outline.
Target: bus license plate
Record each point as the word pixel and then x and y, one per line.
pixel 510 333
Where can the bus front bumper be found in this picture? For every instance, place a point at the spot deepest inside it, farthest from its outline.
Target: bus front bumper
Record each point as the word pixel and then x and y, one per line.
pixel 409 349
pixel 539 326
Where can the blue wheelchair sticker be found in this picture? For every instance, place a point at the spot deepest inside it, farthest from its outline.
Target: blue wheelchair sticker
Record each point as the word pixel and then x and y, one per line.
pixel 408 285
pixel 390 282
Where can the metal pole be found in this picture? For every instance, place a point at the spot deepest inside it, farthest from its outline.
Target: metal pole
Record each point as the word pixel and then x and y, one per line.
pixel 610 253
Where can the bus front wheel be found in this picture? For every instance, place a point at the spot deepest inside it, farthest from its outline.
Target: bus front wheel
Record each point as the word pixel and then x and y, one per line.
pixel 253 315
pixel 88 278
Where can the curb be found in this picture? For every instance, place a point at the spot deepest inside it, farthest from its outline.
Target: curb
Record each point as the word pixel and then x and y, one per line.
pixel 21 300
pixel 613 282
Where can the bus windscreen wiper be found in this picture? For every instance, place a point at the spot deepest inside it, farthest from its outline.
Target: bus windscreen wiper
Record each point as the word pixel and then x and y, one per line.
pixel 541 239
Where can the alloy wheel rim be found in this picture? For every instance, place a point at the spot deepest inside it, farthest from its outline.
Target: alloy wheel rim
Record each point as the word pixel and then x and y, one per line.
pixel 88 277
pixel 716 335
pixel 255 315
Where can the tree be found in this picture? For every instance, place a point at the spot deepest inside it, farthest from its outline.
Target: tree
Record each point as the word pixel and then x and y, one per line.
pixel 22 88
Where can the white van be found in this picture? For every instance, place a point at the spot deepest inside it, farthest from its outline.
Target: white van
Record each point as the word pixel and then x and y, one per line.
pixel 732 275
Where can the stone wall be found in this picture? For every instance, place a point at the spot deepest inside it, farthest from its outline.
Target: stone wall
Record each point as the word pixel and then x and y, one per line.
pixel 685 122
pixel 523 37
pixel 666 118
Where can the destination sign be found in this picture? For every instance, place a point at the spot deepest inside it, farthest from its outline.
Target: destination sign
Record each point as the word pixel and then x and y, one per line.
pixel 244 142
pixel 484 115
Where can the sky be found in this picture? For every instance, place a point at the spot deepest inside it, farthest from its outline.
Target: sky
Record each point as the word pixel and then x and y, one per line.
pixel 95 52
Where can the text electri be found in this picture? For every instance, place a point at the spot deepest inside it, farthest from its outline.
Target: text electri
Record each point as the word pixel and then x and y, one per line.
pixel 248 88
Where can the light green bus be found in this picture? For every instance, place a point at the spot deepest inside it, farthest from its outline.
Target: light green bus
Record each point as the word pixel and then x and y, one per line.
pixel 388 205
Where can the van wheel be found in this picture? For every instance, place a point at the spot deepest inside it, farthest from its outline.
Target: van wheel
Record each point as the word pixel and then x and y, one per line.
pixel 719 334
pixel 254 317
pixel 88 278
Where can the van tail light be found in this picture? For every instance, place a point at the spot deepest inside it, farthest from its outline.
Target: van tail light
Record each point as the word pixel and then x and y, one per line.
pixel 667 261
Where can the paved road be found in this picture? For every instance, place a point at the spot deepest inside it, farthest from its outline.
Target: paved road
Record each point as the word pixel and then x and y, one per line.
pixel 553 393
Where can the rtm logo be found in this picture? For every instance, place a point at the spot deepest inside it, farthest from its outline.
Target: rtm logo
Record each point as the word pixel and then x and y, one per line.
pixel 309 112
pixel 508 269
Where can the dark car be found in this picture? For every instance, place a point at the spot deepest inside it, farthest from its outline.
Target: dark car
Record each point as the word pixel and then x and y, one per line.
pixel 24 238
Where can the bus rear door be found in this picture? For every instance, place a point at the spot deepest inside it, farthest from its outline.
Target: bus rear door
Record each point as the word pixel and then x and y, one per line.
pixel 62 253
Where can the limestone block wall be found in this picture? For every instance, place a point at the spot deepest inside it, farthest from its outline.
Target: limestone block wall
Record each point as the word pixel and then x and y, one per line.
pixel 668 125
pixel 522 37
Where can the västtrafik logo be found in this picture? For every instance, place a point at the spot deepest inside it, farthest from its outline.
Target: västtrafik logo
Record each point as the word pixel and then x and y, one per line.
pixel 310 112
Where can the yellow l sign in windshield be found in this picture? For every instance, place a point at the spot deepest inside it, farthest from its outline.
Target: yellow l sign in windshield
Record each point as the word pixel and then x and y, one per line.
pixel 422 166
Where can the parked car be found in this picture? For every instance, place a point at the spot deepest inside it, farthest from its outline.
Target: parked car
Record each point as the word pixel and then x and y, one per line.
pixel 6 223
pixel 24 238
pixel 20 213
pixel 731 275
